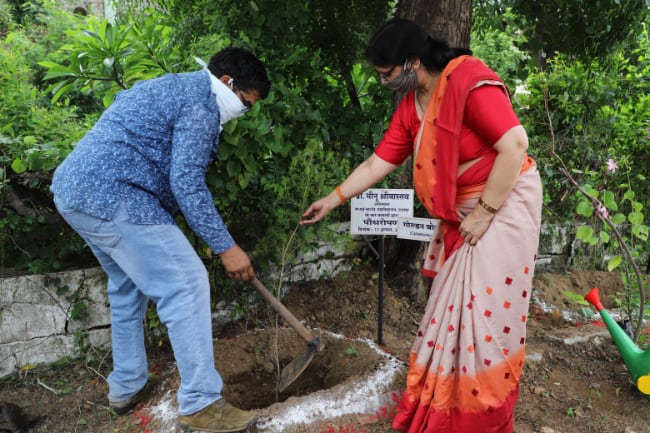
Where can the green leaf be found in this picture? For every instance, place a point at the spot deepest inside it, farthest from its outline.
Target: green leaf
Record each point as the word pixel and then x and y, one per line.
pixel 233 168
pixel 613 263
pixel 49 65
pixel 609 200
pixel 29 140
pixel 60 72
pixel 585 209
pixel 244 180
pixel 604 237
pixel 61 89
pixel 575 297
pixel 635 218
pixel 18 165
pixel 352 351
pixel 585 233
pixel 640 231
pixel 587 312
pixel 107 99
pixel 591 190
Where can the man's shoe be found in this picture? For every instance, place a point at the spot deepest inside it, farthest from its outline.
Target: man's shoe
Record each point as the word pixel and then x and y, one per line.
pixel 125 406
pixel 219 417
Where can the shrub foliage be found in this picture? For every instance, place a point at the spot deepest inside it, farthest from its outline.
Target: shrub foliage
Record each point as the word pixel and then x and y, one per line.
pixel 325 113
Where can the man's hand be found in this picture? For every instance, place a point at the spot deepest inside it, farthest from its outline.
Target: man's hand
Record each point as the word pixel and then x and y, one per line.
pixel 238 265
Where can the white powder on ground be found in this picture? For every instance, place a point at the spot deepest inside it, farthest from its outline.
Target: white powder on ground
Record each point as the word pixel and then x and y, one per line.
pixel 364 395
pixel 359 395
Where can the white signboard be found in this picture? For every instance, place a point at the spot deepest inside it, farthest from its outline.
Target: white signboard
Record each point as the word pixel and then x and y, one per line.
pixel 376 211
pixel 417 229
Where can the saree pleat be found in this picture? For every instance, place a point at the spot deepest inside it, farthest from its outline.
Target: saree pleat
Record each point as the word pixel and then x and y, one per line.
pixel 467 359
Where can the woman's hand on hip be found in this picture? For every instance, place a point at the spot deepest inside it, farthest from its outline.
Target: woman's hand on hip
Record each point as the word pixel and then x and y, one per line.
pixel 475 225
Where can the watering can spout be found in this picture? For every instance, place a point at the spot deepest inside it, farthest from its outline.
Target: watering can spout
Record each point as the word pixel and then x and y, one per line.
pixel 636 360
pixel 593 297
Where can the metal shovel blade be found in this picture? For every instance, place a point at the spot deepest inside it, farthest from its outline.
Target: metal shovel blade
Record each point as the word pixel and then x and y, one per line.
pixel 296 367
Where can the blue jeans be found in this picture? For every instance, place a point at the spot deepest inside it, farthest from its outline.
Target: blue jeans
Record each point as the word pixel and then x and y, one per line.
pixel 154 262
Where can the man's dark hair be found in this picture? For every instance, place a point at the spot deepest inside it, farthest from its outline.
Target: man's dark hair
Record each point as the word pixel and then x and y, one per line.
pixel 244 67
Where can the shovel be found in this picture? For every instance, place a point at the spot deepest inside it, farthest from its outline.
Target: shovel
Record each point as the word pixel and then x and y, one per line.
pixel 295 368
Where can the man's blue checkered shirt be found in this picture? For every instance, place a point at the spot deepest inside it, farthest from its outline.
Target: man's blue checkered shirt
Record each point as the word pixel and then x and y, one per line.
pixel 150 149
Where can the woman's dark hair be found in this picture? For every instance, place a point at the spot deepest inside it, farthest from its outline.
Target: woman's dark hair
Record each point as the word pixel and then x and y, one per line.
pixel 246 69
pixel 398 39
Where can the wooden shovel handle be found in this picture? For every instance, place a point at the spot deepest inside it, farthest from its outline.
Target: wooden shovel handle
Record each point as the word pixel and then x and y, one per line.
pixel 283 312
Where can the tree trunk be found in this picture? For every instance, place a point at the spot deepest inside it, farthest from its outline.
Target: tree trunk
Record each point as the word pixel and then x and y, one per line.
pixel 449 20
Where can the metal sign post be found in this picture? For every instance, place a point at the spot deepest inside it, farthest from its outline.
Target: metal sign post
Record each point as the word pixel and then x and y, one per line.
pixel 376 212
pixel 380 297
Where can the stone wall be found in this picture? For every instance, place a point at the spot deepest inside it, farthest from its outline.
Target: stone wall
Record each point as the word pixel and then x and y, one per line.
pixel 555 246
pixel 36 324
pixel 92 7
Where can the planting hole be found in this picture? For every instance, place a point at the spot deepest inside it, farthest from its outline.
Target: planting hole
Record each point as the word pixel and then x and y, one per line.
pixel 248 365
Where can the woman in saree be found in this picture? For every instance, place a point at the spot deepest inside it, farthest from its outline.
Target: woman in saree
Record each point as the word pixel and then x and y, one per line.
pixel 471 171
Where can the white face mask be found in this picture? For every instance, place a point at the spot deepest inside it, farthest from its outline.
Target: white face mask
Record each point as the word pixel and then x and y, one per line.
pixel 230 106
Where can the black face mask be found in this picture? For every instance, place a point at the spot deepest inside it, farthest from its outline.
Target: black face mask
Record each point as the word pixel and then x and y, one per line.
pixel 405 82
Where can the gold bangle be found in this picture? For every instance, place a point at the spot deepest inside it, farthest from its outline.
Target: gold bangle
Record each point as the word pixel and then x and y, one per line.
pixel 486 206
pixel 340 194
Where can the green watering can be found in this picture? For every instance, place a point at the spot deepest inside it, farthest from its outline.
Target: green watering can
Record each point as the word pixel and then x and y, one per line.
pixel 636 360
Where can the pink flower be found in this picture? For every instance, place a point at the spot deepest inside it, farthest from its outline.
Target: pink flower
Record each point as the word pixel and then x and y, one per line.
pixel 601 211
pixel 611 166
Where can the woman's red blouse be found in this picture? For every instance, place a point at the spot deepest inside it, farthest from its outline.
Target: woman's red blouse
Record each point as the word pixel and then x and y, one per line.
pixel 488 115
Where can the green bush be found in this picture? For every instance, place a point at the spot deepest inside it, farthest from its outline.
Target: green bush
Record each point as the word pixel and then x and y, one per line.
pixel 331 115
pixel 596 112
pixel 35 135
pixel 325 104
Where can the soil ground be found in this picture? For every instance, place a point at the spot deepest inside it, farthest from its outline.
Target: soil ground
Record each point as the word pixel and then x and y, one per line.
pixel 567 388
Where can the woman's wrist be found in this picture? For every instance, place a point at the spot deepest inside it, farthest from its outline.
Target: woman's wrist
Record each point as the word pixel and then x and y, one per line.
pixel 486 206
pixel 339 193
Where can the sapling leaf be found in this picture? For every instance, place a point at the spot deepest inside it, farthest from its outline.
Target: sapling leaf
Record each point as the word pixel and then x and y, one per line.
pixel 575 297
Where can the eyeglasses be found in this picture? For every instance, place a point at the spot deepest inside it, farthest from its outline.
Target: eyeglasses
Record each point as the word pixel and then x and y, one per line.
pixel 247 104
pixel 386 75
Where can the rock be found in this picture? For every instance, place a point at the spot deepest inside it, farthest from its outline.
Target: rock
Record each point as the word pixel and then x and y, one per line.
pixel 534 357
pixel 268 367
pixel 368 419
pixel 13 418
pixel 538 390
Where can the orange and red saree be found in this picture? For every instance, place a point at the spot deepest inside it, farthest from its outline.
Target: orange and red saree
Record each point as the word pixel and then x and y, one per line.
pixel 467 359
